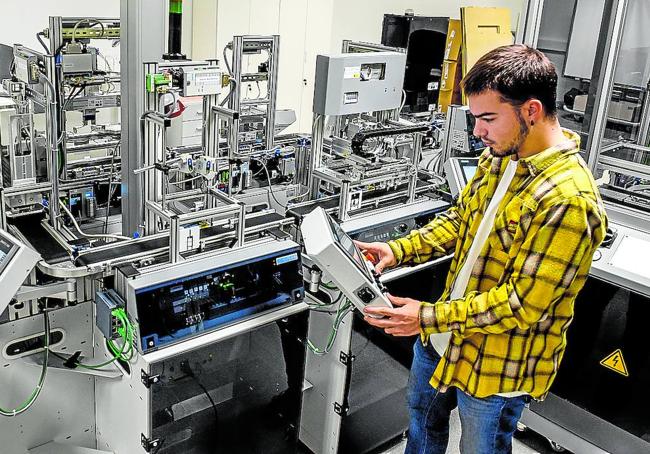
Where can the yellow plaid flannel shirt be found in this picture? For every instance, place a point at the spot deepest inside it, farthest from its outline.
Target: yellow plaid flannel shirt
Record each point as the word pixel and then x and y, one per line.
pixel 509 331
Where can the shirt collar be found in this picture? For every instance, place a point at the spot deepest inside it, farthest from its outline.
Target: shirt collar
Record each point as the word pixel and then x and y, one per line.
pixel 538 162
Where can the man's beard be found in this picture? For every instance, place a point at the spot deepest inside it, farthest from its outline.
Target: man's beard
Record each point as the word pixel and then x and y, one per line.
pixel 513 147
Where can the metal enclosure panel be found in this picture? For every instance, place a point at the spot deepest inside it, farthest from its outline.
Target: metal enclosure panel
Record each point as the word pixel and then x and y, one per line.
pixel 189 267
pixel 122 409
pixel 142 39
pixel 344 87
pixel 603 266
pixel 320 425
pixel 66 406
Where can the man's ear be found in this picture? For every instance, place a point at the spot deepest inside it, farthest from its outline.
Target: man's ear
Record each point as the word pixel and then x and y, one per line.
pixel 533 111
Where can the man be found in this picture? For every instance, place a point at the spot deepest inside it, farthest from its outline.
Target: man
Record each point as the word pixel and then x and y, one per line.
pixel 523 233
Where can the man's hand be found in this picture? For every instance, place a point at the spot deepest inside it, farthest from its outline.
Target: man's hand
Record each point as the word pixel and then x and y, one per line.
pixel 403 320
pixel 380 254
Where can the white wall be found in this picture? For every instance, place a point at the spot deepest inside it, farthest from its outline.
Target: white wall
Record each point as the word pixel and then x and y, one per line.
pixel 307 28
pixel 18 26
pixel 20 20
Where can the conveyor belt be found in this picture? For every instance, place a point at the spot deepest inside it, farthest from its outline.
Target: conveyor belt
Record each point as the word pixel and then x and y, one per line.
pixel 122 250
pixel 39 238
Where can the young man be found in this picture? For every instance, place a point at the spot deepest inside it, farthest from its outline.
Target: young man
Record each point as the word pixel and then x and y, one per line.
pixel 523 233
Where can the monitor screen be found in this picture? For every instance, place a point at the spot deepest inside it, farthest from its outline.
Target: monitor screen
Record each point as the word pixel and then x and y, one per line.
pixel 348 246
pixel 468 171
pixel 7 251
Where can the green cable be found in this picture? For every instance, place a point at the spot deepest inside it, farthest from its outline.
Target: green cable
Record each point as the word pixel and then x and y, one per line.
pixel 39 387
pixel 341 313
pixel 126 333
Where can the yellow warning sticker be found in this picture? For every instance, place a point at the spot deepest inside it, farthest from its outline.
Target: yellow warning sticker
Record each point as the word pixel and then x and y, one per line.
pixel 614 361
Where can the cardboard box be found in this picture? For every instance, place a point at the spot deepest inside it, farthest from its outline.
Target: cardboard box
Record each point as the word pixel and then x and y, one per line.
pixel 484 29
pixel 454 40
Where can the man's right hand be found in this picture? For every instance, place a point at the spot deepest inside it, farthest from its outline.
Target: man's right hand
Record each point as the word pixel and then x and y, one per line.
pixel 380 254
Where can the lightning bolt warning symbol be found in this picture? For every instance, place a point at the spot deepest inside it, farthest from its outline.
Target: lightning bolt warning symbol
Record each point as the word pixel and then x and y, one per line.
pixel 615 362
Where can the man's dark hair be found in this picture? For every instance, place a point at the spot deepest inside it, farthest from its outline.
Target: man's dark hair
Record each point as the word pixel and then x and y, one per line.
pixel 518 73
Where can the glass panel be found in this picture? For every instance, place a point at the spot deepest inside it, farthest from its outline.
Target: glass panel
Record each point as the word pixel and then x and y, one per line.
pixel 607 319
pixel 241 395
pixel 555 39
pixel 626 182
pixel 631 79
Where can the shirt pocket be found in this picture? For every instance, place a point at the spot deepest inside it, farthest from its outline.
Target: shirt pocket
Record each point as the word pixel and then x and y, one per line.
pixel 506 226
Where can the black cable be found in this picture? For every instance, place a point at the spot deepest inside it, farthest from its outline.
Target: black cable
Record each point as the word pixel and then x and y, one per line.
pixel 185 367
pixel 38 37
pixel 268 178
pixel 214 405
pixel 73 96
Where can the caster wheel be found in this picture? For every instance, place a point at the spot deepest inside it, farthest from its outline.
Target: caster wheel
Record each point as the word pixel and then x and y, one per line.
pixel 556 447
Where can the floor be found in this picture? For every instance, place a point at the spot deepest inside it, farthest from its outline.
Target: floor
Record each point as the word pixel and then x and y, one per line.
pixel 526 442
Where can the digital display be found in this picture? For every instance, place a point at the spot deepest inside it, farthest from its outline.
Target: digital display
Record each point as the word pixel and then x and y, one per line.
pixel 348 246
pixel 6 251
pixel 468 171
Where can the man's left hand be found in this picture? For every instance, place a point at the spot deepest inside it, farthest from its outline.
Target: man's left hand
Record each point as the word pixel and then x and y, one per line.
pixel 402 320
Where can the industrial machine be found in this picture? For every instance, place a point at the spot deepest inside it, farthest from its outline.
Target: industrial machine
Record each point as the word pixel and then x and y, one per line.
pixel 174 282
pixel 143 323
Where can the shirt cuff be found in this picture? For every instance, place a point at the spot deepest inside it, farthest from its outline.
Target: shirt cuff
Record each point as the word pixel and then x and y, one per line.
pixel 432 318
pixel 398 252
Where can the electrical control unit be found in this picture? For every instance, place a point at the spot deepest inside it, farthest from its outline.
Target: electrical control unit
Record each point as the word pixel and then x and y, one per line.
pixel 172 304
pixel 359 82
pixel 201 81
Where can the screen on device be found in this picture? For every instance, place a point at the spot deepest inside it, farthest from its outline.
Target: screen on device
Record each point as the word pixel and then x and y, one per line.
pixel 348 246
pixel 468 171
pixel 6 252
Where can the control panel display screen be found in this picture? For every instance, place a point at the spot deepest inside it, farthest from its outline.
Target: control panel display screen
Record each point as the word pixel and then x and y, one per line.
pixel 7 251
pixel 468 171
pixel 348 246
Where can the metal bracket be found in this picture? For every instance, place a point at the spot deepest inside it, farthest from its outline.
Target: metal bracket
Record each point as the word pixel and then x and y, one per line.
pixel 148 380
pixel 148 444
pixel 341 410
pixel 346 358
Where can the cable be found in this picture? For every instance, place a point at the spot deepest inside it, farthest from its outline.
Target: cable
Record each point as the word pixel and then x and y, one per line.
pixel 90 235
pixel 91 22
pixel 185 367
pixel 40 40
pixel 39 387
pixel 341 313
pixel 225 60
pixel 122 353
pixel 268 177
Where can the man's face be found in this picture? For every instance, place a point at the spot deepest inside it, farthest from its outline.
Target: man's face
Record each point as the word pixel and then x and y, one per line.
pixel 499 125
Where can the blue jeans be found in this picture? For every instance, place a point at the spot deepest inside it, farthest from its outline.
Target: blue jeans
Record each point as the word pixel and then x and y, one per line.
pixel 487 424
